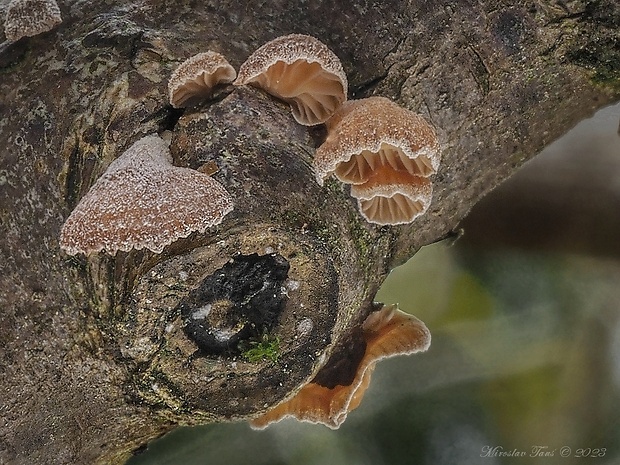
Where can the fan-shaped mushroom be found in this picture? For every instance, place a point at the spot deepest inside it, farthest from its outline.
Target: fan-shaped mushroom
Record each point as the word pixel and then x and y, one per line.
pixel 195 78
pixel 364 135
pixel 143 201
pixel 300 70
pixel 387 333
pixel 30 17
pixel 393 197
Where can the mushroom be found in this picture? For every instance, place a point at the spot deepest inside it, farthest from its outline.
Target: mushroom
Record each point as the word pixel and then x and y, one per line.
pixel 364 135
pixel 30 17
pixel 387 332
pixel 300 70
pixel 143 201
pixel 195 78
pixel 393 197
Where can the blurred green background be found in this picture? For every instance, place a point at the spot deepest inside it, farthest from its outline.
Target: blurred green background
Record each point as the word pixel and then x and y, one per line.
pixel 524 310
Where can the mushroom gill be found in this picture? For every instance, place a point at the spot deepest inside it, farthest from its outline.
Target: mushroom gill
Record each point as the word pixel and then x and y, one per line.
pixel 300 70
pixel 194 79
pixel 393 197
pixel 143 201
pixel 387 332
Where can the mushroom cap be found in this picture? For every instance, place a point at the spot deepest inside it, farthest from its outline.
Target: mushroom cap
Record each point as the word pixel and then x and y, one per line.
pixel 387 332
pixel 195 78
pixel 391 197
pixel 30 17
pixel 300 70
pixel 143 201
pixel 365 134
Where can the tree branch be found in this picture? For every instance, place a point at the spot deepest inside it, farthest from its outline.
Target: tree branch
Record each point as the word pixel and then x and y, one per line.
pixel 93 357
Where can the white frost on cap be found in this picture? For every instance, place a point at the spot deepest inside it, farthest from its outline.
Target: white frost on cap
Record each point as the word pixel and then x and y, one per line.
pixel 302 71
pixel 195 78
pixel 365 135
pixel 30 17
pixel 143 201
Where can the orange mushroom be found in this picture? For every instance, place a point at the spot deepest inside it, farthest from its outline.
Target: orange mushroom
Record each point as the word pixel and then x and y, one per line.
pixel 393 197
pixel 194 79
pixel 387 332
pixel 143 201
pixel 300 70
pixel 27 18
pixel 365 135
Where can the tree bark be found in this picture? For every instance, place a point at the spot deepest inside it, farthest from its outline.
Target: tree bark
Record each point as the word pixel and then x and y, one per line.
pixel 93 359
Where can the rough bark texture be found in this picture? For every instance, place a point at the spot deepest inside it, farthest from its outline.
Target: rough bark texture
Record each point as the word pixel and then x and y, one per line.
pixel 93 361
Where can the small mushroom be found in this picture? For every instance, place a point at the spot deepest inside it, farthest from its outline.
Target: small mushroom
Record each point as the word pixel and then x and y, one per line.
pixel 194 79
pixel 300 70
pixel 364 135
pixel 27 18
pixel 387 332
pixel 143 201
pixel 391 197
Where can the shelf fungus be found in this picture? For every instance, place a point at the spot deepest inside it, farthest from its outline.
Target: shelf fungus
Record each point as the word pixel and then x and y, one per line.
pixel 301 71
pixel 367 134
pixel 385 152
pixel 143 201
pixel 386 333
pixel 195 78
pixel 393 197
pixel 27 18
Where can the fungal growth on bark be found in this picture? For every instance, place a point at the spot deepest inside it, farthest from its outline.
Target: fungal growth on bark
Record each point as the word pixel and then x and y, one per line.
pixel 195 78
pixel 393 197
pixel 300 70
pixel 387 332
pixel 365 135
pixel 386 153
pixel 143 201
pixel 27 18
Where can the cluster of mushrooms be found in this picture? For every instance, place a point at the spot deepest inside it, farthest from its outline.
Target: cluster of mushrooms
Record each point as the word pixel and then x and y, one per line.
pixel 385 152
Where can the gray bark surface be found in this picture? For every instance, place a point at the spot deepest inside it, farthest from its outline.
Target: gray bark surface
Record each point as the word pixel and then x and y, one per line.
pixel 93 362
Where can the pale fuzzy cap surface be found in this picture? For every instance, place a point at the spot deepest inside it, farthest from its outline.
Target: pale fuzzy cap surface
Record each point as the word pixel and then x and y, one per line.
pixel 367 125
pixel 30 17
pixel 291 50
pixel 196 77
pixel 143 201
pixel 388 332
pixel 392 197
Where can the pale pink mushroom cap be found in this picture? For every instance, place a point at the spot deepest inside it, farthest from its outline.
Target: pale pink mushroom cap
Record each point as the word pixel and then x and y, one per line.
pixel 365 135
pixel 388 332
pixel 30 17
pixel 195 78
pixel 300 70
pixel 143 201
pixel 392 197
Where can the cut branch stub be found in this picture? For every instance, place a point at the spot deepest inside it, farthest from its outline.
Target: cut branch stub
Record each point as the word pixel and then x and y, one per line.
pixel 241 301
pixel 195 314
pixel 289 266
